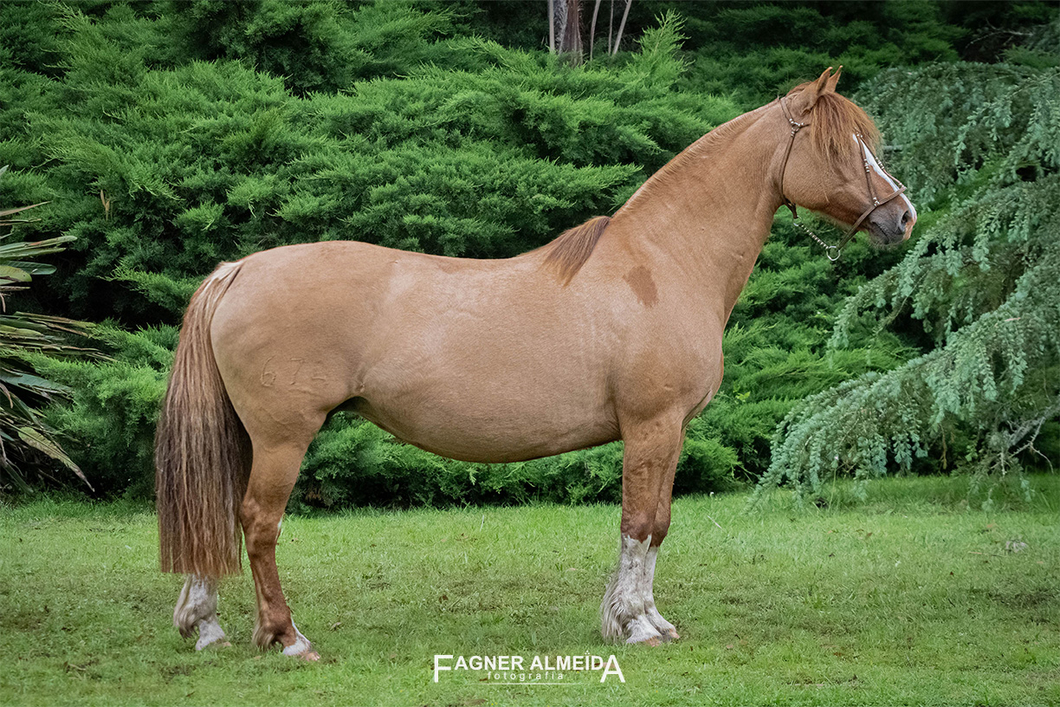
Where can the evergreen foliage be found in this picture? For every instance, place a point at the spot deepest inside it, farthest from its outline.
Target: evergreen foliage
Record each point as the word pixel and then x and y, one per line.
pixel 163 167
pixel 161 173
pixel 755 49
pixel 982 284
pixel 315 45
pixel 762 49
pixel 114 406
pixel 172 135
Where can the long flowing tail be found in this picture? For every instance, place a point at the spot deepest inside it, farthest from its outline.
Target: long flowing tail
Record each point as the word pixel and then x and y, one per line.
pixel 202 450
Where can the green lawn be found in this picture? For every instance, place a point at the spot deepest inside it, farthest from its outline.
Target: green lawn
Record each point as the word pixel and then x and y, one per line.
pixel 910 598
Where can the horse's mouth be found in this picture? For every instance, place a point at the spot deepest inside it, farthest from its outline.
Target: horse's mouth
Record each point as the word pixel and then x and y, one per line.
pixel 885 238
pixel 889 225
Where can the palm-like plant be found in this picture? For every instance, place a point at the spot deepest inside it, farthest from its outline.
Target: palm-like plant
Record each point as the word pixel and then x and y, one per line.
pixel 24 436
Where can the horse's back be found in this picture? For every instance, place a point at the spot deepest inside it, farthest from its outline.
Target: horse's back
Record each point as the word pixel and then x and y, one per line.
pixel 488 360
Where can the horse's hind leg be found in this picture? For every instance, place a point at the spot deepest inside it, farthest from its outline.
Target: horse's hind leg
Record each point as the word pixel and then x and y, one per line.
pixel 272 477
pixel 197 609
pixel 650 458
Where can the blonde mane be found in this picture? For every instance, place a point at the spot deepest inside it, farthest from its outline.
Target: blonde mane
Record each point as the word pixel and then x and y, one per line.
pixel 568 252
pixel 833 119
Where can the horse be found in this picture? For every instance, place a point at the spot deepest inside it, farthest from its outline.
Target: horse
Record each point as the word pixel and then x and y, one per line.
pixel 611 331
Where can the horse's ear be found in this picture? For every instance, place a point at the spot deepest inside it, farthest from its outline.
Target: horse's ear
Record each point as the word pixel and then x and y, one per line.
pixel 822 80
pixel 833 80
pixel 805 99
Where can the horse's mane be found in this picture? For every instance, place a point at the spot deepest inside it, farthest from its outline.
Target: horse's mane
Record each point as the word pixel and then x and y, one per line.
pixel 833 119
pixel 568 252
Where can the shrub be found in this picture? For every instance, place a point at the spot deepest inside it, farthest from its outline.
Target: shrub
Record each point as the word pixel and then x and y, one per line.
pixel 26 441
pixel 983 284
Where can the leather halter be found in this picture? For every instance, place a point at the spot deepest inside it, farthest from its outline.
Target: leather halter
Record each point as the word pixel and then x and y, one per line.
pixel 876 201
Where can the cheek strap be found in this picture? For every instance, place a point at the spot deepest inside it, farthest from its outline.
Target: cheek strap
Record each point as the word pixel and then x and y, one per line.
pixel 876 201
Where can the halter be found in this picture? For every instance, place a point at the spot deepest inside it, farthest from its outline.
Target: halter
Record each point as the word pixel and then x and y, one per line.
pixel 876 201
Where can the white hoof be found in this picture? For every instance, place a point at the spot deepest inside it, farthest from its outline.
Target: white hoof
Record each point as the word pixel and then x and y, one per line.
pixel 196 610
pixel 664 627
pixel 210 633
pixel 641 631
pixel 301 648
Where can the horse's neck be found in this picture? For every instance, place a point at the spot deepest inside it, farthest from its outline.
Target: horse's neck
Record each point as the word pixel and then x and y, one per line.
pixel 708 212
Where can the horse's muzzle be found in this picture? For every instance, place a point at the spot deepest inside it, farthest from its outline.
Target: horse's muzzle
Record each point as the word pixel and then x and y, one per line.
pixel 890 226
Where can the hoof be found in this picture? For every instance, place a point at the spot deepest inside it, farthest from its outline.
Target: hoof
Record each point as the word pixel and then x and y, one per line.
pixel 664 627
pixel 641 631
pixel 196 610
pixel 307 654
pixel 300 647
pixel 210 634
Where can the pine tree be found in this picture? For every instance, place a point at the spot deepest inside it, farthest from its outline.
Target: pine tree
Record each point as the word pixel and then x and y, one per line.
pixel 982 285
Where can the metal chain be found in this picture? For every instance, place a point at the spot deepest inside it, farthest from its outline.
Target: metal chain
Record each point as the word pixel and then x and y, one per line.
pixel 828 249
pixel 832 252
pixel 796 126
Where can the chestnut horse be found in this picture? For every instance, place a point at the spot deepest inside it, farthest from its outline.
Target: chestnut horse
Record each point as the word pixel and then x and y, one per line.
pixel 611 331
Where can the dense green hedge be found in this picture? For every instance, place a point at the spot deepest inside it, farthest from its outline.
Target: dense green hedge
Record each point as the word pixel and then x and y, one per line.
pixel 161 171
pixel 170 136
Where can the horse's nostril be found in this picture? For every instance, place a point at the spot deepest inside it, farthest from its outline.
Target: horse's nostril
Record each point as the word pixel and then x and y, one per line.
pixel 905 218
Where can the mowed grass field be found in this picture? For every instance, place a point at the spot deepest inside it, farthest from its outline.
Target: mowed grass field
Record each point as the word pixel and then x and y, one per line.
pixel 909 598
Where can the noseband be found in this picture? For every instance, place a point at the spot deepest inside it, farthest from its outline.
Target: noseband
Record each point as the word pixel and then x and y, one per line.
pixel 833 251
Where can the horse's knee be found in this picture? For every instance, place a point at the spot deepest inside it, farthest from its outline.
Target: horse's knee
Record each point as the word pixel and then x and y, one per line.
pixel 652 448
pixel 638 526
pixel 661 526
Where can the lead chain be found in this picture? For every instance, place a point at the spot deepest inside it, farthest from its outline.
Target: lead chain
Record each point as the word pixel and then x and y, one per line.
pixel 828 249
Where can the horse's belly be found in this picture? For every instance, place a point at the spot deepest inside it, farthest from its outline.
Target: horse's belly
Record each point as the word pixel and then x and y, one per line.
pixel 480 427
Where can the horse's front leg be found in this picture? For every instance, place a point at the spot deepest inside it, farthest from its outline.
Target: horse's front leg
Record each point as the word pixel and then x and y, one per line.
pixel 628 610
pixel 658 534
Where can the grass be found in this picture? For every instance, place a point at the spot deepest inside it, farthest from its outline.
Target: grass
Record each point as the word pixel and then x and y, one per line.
pixel 910 598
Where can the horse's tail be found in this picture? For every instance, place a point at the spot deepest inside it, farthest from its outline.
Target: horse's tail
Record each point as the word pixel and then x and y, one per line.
pixel 202 450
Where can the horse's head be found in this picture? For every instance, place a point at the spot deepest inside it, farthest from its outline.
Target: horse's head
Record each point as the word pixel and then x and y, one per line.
pixel 829 166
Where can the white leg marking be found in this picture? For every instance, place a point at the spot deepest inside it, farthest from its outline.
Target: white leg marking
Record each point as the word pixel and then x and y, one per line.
pixel 197 609
pixel 209 633
pixel 301 646
pixel 656 619
pixel 624 611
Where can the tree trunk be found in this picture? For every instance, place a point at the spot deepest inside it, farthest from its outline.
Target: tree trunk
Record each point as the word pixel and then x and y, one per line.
pixel 565 27
pixel 551 26
pixel 592 28
pixel 572 37
pixel 621 27
pixel 611 27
